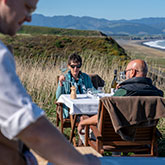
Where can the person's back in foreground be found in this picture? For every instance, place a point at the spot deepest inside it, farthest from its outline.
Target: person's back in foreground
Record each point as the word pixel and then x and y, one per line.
pixel 20 118
pixel 136 84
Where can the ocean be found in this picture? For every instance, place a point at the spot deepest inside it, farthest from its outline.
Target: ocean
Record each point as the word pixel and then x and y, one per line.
pixel 160 44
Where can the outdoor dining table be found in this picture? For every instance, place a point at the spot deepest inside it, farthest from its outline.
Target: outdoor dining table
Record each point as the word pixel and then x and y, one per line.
pixel 84 104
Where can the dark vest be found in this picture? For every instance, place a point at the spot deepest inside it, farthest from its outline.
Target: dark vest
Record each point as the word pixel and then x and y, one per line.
pixel 140 86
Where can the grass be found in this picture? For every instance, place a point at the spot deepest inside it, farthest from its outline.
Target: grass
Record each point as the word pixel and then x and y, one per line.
pixel 58 31
pixel 51 48
pixel 161 142
pixel 40 83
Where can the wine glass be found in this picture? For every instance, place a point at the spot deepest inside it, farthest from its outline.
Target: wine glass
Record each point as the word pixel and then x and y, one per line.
pixel 101 90
pixel 63 67
pixel 121 77
pixel 91 92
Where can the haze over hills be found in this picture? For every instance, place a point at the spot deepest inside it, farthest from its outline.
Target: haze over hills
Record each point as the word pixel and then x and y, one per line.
pixel 144 26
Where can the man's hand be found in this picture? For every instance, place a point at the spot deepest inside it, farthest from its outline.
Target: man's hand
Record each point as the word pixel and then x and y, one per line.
pixel 61 79
pixel 118 86
pixel 86 120
pixel 82 124
pixel 80 128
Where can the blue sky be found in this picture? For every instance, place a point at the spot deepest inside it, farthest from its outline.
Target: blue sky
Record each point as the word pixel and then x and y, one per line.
pixel 108 9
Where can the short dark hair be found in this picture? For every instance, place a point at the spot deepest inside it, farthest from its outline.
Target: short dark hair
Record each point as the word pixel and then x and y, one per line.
pixel 74 58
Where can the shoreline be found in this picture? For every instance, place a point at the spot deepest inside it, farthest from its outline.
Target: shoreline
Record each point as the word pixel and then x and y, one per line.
pixel 154 47
pixel 123 43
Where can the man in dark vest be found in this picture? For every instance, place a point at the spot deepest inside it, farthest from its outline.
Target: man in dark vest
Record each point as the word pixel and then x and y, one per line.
pixel 136 84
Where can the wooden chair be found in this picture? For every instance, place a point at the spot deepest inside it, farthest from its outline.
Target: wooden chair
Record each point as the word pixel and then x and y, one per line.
pixel 97 81
pixel 108 140
pixel 66 123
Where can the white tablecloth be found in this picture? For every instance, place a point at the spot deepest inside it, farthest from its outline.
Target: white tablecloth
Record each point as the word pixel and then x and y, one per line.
pixel 83 104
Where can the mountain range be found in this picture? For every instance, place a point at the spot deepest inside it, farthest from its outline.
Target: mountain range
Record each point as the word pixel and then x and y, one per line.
pixel 143 26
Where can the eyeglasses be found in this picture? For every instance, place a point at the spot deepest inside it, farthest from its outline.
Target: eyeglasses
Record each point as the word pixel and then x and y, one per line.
pixel 77 66
pixel 125 71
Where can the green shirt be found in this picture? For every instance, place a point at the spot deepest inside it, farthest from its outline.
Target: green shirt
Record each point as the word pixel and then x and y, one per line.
pixel 120 92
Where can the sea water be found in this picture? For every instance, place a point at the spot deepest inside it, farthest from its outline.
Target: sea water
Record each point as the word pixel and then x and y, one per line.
pixel 156 44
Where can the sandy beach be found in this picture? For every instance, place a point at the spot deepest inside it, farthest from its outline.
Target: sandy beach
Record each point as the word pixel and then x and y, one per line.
pixel 136 46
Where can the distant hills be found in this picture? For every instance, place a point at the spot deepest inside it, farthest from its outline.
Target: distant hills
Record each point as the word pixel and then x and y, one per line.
pixel 144 26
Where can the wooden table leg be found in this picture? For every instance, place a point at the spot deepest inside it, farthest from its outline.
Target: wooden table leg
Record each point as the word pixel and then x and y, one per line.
pixel 73 125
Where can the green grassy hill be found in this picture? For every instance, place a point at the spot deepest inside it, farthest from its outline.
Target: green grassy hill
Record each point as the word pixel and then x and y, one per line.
pixel 58 31
pixel 50 47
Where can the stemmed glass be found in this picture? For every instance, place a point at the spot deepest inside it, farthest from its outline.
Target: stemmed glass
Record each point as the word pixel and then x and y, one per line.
pixel 101 90
pixel 122 77
pixel 92 92
pixel 63 69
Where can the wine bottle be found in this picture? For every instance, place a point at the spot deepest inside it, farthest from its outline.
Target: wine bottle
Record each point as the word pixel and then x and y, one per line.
pixel 114 82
